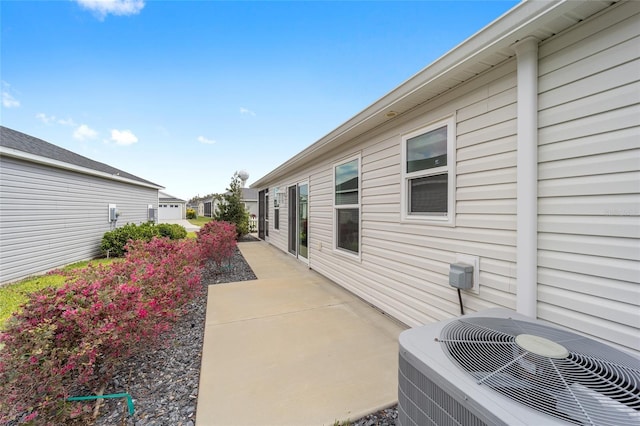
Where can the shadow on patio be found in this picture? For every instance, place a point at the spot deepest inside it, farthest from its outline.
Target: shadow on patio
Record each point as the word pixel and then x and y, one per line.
pixel 293 348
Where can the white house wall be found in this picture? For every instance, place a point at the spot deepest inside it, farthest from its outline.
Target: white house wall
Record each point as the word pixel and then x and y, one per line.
pixel 589 181
pixel 50 217
pixel 589 185
pixel 404 267
pixel 251 207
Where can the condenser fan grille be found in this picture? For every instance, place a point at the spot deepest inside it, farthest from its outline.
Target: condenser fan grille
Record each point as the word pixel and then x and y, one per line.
pixel 559 373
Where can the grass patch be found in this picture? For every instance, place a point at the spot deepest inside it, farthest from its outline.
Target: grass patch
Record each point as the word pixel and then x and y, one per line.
pixel 15 294
pixel 85 263
pixel 192 235
pixel 200 220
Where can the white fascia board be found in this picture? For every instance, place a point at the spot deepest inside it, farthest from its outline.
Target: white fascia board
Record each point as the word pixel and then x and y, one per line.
pixel 14 153
pixel 503 32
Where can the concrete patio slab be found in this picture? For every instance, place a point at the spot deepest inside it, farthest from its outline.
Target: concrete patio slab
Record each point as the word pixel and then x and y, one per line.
pixel 292 348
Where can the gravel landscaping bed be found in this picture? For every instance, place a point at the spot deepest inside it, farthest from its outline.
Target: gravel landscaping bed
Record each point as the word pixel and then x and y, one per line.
pixel 164 382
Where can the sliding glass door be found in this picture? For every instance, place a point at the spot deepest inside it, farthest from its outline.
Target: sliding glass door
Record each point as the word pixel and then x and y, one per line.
pixel 299 220
pixel 293 219
pixel 303 221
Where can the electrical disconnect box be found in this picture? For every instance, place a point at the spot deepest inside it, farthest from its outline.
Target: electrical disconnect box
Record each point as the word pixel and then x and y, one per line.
pixel 461 276
pixel 113 213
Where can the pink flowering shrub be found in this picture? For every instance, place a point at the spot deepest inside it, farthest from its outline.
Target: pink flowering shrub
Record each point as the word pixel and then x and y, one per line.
pixel 77 335
pixel 217 241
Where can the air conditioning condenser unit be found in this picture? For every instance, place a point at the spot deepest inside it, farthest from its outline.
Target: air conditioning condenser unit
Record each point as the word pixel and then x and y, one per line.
pixel 500 368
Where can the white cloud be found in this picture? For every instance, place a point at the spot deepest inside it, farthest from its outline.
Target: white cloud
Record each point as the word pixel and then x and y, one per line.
pixel 123 137
pixel 46 119
pixel 102 8
pixel 67 122
pixel 9 101
pixel 84 132
pixel 245 111
pixel 50 119
pixel 202 139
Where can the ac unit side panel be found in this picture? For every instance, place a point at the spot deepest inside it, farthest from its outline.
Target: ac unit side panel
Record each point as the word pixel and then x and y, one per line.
pixel 425 398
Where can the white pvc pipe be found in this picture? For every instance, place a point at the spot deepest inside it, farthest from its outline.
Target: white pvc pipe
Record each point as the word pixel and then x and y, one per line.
pixel 527 175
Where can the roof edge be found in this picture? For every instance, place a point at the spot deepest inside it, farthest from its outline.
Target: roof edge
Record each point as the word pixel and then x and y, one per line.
pixel 21 155
pixel 501 30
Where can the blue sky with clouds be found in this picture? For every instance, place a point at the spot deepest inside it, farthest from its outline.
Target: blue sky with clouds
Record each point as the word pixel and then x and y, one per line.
pixel 184 93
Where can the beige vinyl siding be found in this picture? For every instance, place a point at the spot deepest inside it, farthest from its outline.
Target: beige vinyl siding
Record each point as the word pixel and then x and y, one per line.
pixel 589 180
pixel 50 217
pixel 588 191
pixel 320 212
pixel 278 237
pixel 404 267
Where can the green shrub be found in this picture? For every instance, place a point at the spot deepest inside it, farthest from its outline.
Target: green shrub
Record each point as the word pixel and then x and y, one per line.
pixel 191 214
pixel 147 230
pixel 114 242
pixel 172 231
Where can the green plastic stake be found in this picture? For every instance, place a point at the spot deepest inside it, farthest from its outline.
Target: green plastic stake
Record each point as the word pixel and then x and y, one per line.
pixel 112 395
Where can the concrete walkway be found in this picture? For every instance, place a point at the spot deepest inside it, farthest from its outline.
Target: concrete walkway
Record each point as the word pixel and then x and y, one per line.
pixel 292 348
pixel 187 225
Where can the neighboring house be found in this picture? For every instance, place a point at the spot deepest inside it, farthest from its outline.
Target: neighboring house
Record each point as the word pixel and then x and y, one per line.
pixel 518 150
pixel 205 207
pixel 250 200
pixel 170 207
pixel 208 207
pixel 56 205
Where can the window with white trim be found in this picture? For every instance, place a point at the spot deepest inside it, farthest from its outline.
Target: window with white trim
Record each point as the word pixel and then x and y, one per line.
pixel 346 203
pixel 428 173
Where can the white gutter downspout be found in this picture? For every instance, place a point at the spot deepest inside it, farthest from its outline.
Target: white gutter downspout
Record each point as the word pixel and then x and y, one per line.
pixel 527 175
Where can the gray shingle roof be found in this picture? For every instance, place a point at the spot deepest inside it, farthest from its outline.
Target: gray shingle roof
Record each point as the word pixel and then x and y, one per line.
pixel 13 139
pixel 249 194
pixel 168 198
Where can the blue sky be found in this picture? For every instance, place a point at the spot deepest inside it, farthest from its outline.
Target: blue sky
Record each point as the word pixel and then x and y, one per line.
pixel 185 93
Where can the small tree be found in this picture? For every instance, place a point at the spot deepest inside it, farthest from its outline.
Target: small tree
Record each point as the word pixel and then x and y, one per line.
pixel 231 209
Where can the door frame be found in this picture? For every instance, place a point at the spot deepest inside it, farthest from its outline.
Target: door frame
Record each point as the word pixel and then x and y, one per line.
pixel 261 216
pixel 266 214
pixel 293 220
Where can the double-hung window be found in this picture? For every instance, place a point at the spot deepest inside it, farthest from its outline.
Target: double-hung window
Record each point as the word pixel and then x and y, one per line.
pixel 428 173
pixel 347 206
